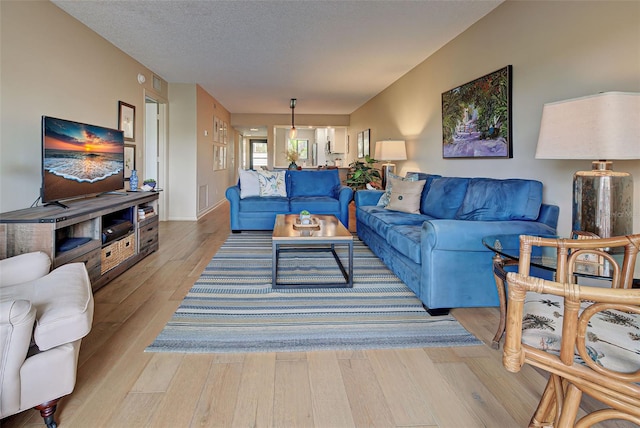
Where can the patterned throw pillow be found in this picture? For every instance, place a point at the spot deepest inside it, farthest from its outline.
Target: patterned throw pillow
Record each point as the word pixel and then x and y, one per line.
pixel 384 199
pixel 272 183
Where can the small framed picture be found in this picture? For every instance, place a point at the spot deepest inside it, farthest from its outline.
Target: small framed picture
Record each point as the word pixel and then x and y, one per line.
pixel 365 142
pixel 127 120
pixel 216 129
pixel 360 144
pixel 129 160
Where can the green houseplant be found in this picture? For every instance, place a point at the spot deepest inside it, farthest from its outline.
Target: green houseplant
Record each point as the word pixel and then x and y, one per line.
pixel 363 173
pixel 150 182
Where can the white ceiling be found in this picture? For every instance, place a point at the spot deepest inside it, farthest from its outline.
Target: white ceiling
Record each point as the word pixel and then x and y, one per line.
pixel 253 56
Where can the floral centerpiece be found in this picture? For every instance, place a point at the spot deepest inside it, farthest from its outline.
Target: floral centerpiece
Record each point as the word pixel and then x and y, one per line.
pixel 292 157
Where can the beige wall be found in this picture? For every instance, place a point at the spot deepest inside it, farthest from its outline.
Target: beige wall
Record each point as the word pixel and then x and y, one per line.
pixel 558 50
pixel 211 184
pixel 53 65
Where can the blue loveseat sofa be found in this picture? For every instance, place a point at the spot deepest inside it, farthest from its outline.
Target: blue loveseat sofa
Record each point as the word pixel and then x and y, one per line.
pixel 317 191
pixel 438 252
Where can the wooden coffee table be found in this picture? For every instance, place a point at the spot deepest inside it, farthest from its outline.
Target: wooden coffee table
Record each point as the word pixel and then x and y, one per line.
pixel 322 239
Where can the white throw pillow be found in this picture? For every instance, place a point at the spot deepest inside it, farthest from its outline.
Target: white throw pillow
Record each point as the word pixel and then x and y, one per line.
pixel 272 183
pixel 249 183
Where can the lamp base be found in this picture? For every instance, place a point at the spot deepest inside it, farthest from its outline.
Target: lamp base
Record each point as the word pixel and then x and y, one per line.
pixel 603 201
pixel 385 170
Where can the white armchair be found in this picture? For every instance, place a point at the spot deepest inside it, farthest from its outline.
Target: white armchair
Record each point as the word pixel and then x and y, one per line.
pixel 43 317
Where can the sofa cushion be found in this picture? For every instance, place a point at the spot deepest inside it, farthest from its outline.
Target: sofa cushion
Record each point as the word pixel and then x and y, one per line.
pixel 405 196
pixel 406 240
pixel 489 199
pixel 276 204
pixel 314 183
pixel 380 219
pixel 445 197
pixel 249 183
pixel 384 199
pixel 314 204
pixel 272 183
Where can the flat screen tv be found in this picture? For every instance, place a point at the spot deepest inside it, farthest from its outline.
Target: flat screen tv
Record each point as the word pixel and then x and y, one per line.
pixel 79 160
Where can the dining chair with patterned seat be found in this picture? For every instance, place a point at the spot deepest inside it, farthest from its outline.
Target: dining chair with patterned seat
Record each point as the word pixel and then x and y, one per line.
pixel 586 336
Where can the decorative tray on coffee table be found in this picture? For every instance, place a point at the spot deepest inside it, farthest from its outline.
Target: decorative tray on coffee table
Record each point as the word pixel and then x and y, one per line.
pixel 314 225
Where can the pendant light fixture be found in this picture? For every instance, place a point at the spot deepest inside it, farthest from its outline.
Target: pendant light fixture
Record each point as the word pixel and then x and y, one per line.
pixel 293 132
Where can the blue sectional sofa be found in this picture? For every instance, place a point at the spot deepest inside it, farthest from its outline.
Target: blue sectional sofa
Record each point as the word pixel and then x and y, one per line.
pixel 317 191
pixel 438 252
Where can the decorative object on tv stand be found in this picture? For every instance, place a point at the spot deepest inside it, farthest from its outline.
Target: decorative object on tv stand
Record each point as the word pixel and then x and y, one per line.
pixel 293 132
pixel 389 150
pixel 133 180
pixel 599 127
pixel 150 182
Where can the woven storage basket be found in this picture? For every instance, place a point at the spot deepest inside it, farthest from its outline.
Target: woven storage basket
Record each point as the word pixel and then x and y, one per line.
pixel 117 252
pixel 110 257
pixel 127 247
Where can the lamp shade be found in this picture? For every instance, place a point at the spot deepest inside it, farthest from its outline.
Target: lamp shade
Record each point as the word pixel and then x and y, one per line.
pixel 389 150
pixel 602 126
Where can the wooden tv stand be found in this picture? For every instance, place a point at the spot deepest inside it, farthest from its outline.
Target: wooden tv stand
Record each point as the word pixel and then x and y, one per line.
pixel 82 227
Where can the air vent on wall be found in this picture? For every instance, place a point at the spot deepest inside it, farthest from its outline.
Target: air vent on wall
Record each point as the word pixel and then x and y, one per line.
pixel 157 83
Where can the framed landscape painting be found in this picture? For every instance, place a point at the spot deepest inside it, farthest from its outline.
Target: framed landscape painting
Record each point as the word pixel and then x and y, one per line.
pixel 476 118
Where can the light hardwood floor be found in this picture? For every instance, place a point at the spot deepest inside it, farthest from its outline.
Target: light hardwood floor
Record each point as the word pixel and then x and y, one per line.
pixel 119 385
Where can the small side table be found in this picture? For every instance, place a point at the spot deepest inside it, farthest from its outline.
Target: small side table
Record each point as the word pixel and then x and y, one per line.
pixel 500 276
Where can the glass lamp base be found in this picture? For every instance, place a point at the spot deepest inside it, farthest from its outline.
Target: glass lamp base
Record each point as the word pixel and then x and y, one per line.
pixel 386 169
pixel 603 201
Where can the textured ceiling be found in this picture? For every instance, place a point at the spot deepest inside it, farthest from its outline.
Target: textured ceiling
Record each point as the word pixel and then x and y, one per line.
pixel 253 56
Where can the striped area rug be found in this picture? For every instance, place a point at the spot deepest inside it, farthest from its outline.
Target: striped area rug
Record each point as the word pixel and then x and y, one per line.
pixel 232 308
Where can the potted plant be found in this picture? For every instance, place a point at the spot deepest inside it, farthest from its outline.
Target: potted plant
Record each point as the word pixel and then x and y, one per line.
pixel 363 173
pixel 151 182
pixel 305 217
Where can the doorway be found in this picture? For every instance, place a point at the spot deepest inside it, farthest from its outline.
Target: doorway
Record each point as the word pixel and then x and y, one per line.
pixel 155 142
pixel 257 153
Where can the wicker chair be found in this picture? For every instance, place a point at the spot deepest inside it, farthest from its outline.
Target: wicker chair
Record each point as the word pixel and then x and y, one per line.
pixel 586 337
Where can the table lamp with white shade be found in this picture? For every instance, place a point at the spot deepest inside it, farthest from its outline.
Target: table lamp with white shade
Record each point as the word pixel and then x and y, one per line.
pixel 602 128
pixel 386 151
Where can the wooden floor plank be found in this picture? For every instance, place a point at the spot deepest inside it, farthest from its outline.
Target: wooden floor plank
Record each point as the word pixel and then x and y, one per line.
pixel 476 397
pixel 397 384
pixel 368 404
pixel 254 407
pixel 437 392
pixel 328 394
pixel 217 404
pixel 292 394
pixel 179 402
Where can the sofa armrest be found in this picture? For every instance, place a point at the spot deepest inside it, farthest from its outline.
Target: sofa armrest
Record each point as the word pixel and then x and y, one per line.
pixel 24 268
pixel 345 195
pixel 233 196
pixel 367 197
pixel 463 235
pixel 17 318
pixel 549 215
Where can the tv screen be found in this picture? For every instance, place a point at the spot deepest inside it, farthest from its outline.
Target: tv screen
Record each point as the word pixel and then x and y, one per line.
pixel 80 159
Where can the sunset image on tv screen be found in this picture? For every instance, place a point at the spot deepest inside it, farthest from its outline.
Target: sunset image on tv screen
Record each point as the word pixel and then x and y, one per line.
pixel 76 154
